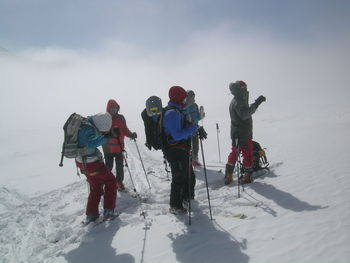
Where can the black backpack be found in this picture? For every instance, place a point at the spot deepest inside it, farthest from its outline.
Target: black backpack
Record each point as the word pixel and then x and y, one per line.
pixel 259 157
pixel 152 117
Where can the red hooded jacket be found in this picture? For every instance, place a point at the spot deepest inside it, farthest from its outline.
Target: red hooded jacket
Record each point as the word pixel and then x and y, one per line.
pixel 118 120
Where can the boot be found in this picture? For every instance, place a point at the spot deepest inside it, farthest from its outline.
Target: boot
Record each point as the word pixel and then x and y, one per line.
pixel 229 173
pixel 196 163
pixel 120 185
pixel 247 178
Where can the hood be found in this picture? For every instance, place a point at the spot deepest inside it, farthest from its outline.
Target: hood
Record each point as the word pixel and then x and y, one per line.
pixel 110 104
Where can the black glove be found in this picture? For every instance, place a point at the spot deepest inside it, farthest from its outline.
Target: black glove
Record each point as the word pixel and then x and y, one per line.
pixel 133 135
pixel 115 132
pixel 201 133
pixel 259 100
pixel 148 145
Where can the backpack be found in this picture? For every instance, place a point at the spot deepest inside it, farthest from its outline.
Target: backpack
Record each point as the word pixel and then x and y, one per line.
pixel 259 158
pixel 71 129
pixel 152 117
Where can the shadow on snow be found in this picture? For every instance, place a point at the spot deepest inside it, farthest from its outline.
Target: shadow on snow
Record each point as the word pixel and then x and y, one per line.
pixel 204 242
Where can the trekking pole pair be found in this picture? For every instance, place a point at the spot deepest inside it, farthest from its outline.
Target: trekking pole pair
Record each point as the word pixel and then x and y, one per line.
pixel 142 163
pixel 132 181
pixel 239 167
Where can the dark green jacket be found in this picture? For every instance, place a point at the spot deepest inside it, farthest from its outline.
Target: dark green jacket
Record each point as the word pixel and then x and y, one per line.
pixel 241 118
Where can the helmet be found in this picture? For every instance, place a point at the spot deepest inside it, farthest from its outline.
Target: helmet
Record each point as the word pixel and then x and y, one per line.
pixel 102 121
pixel 154 106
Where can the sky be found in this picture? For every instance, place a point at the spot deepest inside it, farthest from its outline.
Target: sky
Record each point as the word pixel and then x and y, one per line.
pixel 157 24
pixel 100 50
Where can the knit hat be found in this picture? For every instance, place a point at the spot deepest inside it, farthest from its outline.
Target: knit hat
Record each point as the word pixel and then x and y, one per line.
pixel 237 87
pixel 177 95
pixel 102 121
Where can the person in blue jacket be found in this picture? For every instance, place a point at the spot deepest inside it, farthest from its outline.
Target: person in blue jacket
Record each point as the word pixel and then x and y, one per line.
pixel 193 112
pixel 178 132
pixel 94 132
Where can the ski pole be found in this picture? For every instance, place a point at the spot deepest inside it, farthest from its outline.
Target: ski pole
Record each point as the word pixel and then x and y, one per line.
pixel 217 135
pixel 132 181
pixel 238 168
pixel 142 164
pixel 206 178
pixel 189 185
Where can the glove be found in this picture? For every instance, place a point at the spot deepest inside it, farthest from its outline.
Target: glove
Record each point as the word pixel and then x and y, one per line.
pixel 148 145
pixel 202 133
pixel 259 100
pixel 115 132
pixel 133 136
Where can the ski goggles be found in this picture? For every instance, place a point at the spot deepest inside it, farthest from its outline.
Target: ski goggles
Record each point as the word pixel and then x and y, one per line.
pixel 155 111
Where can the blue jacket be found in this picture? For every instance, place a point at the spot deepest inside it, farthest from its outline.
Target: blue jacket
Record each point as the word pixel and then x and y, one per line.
pixel 174 124
pixel 90 137
pixel 193 111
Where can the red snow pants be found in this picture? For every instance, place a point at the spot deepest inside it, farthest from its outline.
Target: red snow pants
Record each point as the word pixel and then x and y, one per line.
pixel 102 182
pixel 247 152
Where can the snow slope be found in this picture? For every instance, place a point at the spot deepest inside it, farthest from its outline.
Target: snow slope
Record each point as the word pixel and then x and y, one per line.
pixel 297 212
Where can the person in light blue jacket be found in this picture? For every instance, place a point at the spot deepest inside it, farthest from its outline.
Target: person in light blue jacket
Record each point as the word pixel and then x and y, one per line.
pixel 193 114
pixel 93 133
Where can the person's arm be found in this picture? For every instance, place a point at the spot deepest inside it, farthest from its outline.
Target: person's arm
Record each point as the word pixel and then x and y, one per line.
pixel 90 138
pixel 172 121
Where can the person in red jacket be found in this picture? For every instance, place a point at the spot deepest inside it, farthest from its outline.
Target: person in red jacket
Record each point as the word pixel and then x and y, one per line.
pixel 113 149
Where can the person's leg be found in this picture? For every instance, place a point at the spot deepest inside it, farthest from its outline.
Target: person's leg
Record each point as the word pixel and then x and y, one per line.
pixel 188 175
pixel 230 165
pixel 119 166
pixel 110 195
pixel 177 183
pixel 247 152
pixel 109 160
pixel 96 191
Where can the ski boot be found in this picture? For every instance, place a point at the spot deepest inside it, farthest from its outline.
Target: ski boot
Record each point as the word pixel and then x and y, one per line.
pixel 247 178
pixel 196 163
pixel 229 173
pixel 120 185
pixel 108 214
pixel 175 210
pixel 90 219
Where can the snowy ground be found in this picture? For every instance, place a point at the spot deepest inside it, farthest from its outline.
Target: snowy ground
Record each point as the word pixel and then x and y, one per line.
pixel 297 212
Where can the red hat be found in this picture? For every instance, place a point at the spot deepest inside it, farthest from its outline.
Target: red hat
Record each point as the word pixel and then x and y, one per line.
pixel 177 95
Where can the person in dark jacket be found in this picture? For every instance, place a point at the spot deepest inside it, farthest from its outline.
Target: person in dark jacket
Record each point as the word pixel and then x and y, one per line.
pixel 92 134
pixel 241 130
pixel 178 133
pixel 113 148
